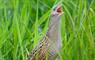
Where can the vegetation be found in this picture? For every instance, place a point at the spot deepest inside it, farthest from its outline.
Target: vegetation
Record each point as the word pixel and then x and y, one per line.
pixel 24 22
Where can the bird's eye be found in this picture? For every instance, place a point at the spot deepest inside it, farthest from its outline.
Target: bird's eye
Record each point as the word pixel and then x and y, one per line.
pixel 54 9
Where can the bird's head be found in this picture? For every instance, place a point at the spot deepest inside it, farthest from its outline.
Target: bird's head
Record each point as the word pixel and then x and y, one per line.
pixel 56 14
pixel 57 11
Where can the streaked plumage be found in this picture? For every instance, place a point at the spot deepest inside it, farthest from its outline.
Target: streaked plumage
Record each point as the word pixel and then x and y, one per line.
pixel 50 44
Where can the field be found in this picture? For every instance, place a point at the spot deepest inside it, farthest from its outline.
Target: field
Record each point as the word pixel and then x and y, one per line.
pixel 24 22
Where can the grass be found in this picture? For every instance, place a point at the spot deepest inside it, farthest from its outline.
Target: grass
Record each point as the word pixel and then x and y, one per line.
pixel 24 22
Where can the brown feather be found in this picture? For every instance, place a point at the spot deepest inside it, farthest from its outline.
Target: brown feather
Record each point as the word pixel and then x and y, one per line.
pixel 50 44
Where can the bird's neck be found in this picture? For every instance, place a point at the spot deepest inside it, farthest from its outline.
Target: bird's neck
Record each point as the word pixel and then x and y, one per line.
pixel 54 30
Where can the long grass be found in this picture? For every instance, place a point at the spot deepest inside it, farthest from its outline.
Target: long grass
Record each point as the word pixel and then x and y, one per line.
pixel 23 23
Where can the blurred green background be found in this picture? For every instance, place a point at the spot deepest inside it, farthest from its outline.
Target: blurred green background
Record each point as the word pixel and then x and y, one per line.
pixel 24 22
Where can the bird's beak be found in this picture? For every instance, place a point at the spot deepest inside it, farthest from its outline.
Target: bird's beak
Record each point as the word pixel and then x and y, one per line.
pixel 59 10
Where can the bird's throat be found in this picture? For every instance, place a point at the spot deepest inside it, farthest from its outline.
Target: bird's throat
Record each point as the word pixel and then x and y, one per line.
pixel 54 31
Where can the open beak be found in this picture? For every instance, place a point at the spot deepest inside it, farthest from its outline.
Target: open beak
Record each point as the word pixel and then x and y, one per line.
pixel 59 10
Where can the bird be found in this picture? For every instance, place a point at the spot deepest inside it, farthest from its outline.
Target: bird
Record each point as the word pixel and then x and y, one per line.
pixel 50 44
